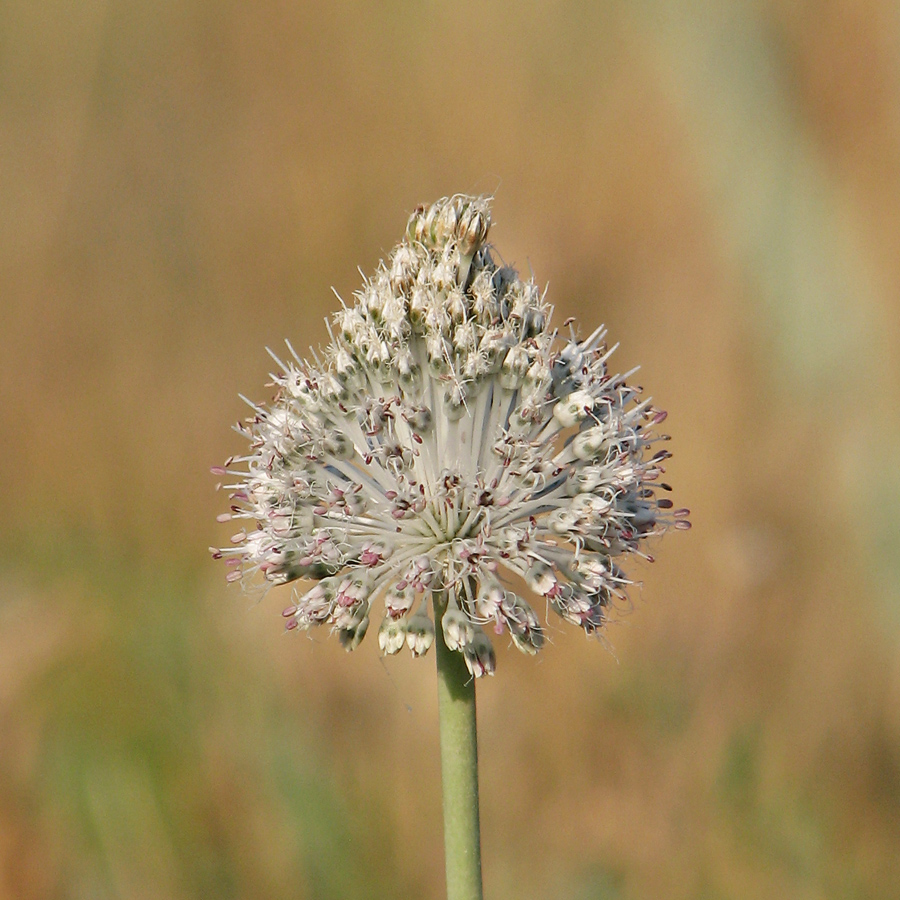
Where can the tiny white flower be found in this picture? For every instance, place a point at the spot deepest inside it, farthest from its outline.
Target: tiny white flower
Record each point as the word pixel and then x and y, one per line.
pixel 391 635
pixel 419 634
pixel 451 441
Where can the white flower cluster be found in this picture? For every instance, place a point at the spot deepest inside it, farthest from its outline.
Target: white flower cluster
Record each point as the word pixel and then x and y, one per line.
pixel 449 441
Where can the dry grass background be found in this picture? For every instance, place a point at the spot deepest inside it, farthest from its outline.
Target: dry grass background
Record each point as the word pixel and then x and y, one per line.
pixel 183 180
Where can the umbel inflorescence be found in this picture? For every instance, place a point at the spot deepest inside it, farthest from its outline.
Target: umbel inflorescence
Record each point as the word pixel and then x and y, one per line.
pixel 448 439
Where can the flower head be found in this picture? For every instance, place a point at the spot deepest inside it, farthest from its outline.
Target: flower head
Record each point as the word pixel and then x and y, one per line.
pixel 450 440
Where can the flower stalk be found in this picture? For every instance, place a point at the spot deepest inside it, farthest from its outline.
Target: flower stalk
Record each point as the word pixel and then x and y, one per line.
pixel 459 765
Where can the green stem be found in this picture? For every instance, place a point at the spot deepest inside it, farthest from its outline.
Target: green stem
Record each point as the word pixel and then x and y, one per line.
pixel 459 766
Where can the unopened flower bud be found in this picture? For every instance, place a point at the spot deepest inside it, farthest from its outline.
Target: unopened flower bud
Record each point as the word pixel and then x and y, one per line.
pixel 419 634
pixel 479 655
pixel 391 635
pixel 351 636
pixel 458 630
pixel 574 409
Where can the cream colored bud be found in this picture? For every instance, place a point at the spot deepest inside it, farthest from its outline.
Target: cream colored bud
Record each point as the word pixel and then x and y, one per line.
pixel 590 443
pixel 391 635
pixel 479 655
pixel 573 409
pixel 419 634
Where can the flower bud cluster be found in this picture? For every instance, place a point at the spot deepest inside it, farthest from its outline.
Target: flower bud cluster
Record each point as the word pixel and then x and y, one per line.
pixel 450 440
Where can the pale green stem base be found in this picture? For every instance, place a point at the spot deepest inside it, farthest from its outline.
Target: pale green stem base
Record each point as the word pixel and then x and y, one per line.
pixel 459 766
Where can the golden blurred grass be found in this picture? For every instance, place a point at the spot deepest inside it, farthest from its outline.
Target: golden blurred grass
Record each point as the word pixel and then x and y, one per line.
pixel 183 182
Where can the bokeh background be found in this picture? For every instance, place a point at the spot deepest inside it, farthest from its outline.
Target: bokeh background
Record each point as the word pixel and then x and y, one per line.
pixel 181 183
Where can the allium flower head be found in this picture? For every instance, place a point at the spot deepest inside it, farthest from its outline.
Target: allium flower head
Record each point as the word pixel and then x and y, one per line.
pixel 448 439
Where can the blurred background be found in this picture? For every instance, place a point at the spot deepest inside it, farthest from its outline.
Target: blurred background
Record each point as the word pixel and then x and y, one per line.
pixel 182 181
